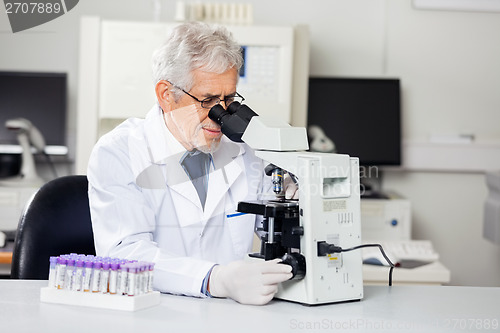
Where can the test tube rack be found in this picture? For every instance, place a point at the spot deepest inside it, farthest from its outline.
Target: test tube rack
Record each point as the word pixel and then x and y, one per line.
pixel 98 300
pixel 107 283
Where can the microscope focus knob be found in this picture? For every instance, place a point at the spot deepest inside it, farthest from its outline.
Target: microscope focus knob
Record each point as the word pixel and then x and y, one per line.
pixel 298 231
pixel 298 263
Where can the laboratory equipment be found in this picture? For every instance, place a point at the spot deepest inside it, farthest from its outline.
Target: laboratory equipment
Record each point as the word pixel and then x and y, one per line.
pixel 403 253
pixel 310 232
pixel 386 219
pixel 71 277
pixel 27 135
pixel 16 190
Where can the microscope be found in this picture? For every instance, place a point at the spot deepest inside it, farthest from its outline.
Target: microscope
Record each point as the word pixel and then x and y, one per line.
pixel 309 233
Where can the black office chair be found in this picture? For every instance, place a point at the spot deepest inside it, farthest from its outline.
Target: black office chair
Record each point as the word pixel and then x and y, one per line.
pixel 55 222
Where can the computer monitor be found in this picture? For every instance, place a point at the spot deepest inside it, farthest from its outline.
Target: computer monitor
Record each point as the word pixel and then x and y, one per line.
pixel 361 115
pixel 39 97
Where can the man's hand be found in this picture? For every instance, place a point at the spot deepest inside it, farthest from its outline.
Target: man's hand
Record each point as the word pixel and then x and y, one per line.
pixel 249 282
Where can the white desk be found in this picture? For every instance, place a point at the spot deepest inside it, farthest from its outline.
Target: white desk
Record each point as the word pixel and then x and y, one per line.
pixel 393 309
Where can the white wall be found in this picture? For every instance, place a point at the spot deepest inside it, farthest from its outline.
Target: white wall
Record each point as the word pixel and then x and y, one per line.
pixel 448 64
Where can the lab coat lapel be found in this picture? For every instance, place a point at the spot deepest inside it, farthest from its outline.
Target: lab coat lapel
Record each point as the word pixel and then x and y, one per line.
pixel 226 170
pixel 161 156
pixel 178 181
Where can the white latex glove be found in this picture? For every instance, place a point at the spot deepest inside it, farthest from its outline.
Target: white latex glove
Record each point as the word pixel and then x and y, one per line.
pixel 249 282
pixel 291 189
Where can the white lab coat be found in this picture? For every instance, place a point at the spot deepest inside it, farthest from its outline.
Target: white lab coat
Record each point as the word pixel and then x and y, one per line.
pixel 144 207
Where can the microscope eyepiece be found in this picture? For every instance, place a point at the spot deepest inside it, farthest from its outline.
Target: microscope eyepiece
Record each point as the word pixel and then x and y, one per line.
pixel 233 107
pixel 233 120
pixel 216 113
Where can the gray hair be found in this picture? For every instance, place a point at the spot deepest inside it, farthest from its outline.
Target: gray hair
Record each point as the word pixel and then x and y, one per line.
pixel 192 46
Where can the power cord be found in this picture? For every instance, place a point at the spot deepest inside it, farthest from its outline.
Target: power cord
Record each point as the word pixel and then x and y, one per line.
pixel 324 248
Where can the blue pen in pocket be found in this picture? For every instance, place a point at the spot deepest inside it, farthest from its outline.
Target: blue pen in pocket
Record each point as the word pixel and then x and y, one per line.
pixel 235 215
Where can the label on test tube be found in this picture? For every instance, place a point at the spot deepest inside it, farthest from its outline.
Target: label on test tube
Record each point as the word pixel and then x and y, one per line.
pixel 122 287
pixel 104 278
pixel 52 272
pixel 113 277
pixel 118 278
pixel 61 272
pixel 139 279
pixel 69 277
pixel 96 276
pixel 87 276
pixel 78 276
pixel 132 283
pixel 150 277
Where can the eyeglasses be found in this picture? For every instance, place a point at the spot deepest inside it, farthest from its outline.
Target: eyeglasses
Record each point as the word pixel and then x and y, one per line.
pixel 210 102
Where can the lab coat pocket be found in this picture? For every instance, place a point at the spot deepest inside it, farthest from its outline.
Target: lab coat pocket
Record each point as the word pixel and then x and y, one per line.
pixel 241 227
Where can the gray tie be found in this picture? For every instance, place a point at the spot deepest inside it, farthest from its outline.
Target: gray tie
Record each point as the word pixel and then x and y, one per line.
pixel 197 166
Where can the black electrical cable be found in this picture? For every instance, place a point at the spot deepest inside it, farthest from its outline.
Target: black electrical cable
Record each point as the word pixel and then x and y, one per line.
pixel 381 250
pixel 325 248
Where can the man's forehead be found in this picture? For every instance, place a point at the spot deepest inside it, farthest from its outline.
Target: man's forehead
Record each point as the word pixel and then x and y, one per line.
pixel 213 84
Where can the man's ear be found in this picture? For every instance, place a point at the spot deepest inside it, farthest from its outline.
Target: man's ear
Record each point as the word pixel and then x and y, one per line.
pixel 163 90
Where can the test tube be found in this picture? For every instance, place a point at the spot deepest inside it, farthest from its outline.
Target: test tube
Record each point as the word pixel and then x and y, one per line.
pixel 146 277
pixel 52 272
pixel 96 276
pixel 150 276
pixel 140 283
pixel 140 278
pixel 78 276
pixel 132 280
pixel 61 272
pixel 122 287
pixel 87 275
pixel 69 277
pixel 118 277
pixel 113 277
pixel 104 277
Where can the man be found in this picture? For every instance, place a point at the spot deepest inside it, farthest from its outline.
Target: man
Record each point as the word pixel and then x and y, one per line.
pixel 165 189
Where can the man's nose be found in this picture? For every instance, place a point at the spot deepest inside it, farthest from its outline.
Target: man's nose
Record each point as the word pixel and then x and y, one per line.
pixel 225 105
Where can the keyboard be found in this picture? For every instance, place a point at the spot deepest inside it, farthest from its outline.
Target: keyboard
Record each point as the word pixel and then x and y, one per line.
pixel 400 252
